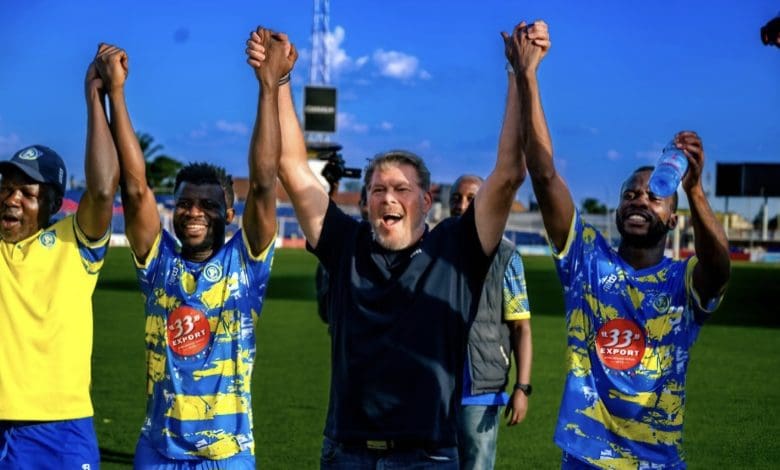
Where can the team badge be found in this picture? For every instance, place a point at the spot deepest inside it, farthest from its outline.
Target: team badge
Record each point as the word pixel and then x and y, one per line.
pixel 47 239
pixel 31 153
pixel 213 272
pixel 620 344
pixel 661 303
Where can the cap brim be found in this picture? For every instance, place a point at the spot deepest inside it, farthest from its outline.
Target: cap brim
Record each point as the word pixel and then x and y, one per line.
pixel 32 173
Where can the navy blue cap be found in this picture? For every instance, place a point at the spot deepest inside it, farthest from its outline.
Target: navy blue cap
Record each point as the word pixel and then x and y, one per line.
pixel 41 164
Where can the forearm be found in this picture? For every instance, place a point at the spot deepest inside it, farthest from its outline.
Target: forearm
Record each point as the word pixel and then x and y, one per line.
pixel 101 171
pixel 522 348
pixel 131 158
pixel 711 244
pixel 264 151
pixel 494 199
pixel 306 193
pixel 142 220
pixel 535 136
pixel 510 161
pixel 266 144
pixel 552 194
pixel 101 167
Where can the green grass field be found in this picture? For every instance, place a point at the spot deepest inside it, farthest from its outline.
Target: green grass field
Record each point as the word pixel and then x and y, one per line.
pixel 733 409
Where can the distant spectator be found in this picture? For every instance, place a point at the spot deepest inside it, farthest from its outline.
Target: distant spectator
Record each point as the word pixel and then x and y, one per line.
pixel 501 327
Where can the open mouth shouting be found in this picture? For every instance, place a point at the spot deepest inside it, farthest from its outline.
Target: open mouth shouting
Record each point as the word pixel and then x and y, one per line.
pixel 389 219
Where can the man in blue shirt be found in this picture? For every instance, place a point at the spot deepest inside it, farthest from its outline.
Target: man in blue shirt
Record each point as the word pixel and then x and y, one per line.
pixel 632 314
pixel 203 294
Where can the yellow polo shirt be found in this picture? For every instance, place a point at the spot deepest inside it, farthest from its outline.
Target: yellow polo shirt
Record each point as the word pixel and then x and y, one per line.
pixel 46 285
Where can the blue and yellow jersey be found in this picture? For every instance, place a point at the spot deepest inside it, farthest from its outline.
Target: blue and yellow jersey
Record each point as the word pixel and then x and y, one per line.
pixel 515 293
pixel 629 334
pixel 46 285
pixel 200 347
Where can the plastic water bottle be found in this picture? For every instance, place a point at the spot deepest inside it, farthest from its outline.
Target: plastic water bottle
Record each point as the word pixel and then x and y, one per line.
pixel 668 171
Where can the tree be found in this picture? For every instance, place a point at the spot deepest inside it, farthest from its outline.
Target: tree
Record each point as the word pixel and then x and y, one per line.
pixel 593 206
pixel 161 169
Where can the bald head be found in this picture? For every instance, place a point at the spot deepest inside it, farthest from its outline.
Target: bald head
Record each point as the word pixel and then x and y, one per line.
pixel 462 193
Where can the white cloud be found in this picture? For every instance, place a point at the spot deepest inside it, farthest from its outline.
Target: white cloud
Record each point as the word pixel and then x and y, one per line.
pixel 348 122
pixel 232 127
pixel 613 155
pixel 338 58
pixel 386 126
pixel 9 143
pixel 395 64
pixel 392 64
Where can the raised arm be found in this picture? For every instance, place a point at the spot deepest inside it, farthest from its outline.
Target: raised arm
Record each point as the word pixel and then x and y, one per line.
pixel 525 49
pixel 266 146
pixel 100 162
pixel 309 197
pixel 712 247
pixel 494 198
pixel 142 220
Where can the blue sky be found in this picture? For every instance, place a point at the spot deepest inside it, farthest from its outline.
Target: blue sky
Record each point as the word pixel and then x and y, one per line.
pixel 621 78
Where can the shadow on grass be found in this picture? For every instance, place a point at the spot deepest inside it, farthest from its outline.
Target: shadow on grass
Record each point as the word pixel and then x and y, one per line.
pixel 113 456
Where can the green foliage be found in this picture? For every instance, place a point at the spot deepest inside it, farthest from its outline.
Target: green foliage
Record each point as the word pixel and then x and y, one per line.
pixel 593 206
pixel 733 387
pixel 160 169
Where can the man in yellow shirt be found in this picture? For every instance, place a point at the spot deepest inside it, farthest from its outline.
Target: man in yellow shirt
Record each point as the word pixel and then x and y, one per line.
pixel 48 272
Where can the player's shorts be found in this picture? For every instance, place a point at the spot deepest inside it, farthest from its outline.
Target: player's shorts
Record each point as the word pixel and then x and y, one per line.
pixel 49 444
pixel 148 458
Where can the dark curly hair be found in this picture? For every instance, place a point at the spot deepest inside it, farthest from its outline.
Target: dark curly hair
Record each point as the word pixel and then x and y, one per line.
pixel 206 173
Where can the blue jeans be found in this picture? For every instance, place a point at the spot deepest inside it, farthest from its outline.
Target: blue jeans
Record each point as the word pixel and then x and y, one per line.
pixel 477 436
pixel 336 456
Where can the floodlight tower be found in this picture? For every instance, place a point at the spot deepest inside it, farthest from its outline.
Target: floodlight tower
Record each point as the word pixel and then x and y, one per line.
pixel 319 105
pixel 319 102
pixel 320 62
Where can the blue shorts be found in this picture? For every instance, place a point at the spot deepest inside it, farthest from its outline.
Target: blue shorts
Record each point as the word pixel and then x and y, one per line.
pixel 49 444
pixel 149 458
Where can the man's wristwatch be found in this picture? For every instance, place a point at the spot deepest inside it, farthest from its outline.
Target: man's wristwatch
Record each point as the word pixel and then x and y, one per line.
pixel 525 388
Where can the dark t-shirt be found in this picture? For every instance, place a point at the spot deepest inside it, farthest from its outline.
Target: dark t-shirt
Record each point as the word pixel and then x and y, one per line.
pixel 399 328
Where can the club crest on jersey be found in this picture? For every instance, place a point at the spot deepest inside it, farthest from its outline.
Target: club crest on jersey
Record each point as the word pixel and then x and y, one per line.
pixel 31 153
pixel 47 239
pixel 661 302
pixel 212 272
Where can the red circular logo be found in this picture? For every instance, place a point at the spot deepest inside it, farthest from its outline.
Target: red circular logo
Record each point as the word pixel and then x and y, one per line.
pixel 188 331
pixel 620 344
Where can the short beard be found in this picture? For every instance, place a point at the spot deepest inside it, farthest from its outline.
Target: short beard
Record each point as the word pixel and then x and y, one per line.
pixel 213 240
pixel 651 239
pixel 384 243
